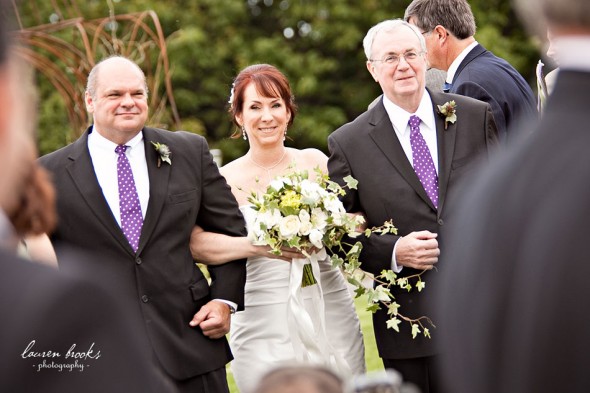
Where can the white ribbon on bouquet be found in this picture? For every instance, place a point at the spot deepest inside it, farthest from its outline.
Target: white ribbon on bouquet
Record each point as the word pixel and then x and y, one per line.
pixel 307 327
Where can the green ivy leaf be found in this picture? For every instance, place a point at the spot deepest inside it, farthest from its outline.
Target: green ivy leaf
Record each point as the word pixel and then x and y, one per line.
pixel 393 324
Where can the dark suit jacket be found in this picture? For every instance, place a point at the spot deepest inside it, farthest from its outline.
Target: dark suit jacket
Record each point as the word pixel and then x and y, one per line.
pixel 161 278
pixel 369 150
pixel 57 311
pixel 486 77
pixel 513 306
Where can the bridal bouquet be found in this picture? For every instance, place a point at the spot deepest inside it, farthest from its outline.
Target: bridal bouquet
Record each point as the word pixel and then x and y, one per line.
pixel 308 215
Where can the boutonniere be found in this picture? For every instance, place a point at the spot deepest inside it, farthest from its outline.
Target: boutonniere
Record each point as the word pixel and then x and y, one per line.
pixel 449 111
pixel 164 153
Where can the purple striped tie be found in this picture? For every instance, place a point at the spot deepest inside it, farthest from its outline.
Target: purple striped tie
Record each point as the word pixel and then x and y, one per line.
pixel 423 164
pixel 129 206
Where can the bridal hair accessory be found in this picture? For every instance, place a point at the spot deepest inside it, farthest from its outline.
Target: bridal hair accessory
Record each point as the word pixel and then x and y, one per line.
pixel 163 153
pixel 244 133
pixel 449 111
pixel 231 94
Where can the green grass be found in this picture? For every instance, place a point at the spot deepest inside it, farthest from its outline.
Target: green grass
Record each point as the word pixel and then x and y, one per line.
pixel 371 355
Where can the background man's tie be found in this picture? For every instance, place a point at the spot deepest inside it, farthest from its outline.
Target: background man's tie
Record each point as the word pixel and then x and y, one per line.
pixel 423 164
pixel 129 206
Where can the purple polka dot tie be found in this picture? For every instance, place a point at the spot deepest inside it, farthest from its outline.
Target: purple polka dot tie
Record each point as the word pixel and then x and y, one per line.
pixel 423 164
pixel 131 218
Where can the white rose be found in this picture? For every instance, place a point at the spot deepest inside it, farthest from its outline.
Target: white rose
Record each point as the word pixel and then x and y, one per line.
pixel 289 226
pixel 315 237
pixel 271 218
pixel 310 192
pixel 304 216
pixel 319 218
pixel 305 228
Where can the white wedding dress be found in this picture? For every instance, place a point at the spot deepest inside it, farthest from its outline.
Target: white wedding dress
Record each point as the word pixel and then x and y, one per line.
pixel 261 336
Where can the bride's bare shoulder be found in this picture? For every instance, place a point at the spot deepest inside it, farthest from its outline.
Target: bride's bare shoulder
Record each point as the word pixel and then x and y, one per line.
pixel 312 158
pixel 231 169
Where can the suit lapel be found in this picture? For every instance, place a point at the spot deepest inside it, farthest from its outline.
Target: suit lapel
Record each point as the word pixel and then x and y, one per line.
pixel 386 140
pixel 446 146
pixel 158 185
pixel 82 173
pixel 477 51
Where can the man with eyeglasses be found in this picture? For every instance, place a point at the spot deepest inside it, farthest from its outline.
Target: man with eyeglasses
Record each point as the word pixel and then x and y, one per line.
pixel 409 159
pixel 449 28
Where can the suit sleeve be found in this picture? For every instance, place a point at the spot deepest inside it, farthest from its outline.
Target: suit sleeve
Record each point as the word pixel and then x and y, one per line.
pixel 219 212
pixel 377 250
pixel 474 90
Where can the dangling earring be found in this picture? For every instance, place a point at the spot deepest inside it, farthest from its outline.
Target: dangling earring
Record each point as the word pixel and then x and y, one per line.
pixel 285 135
pixel 244 133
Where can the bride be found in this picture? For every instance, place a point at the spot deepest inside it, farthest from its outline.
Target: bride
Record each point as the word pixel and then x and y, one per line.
pixel 262 335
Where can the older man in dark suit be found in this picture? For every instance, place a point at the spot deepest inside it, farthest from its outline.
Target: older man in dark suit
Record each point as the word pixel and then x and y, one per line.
pixel 408 159
pixel 449 28
pixel 513 314
pixel 132 195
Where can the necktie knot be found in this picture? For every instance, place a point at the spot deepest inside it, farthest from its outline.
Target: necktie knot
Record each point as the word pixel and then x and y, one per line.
pixel 121 149
pixel 414 123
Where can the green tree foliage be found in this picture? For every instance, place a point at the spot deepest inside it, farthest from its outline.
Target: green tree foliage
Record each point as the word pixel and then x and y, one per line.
pixel 317 44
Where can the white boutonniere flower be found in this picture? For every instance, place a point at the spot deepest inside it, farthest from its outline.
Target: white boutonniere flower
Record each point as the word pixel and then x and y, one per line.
pixel 163 153
pixel 449 111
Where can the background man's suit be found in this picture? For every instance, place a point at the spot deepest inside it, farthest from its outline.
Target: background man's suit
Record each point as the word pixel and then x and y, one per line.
pixel 513 303
pixel 57 311
pixel 161 278
pixel 486 77
pixel 369 150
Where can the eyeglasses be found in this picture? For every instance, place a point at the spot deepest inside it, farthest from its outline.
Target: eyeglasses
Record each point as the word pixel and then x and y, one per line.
pixel 394 59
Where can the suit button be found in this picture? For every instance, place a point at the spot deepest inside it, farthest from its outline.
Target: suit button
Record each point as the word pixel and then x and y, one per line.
pixel 441 222
pixel 145 299
pixel 138 260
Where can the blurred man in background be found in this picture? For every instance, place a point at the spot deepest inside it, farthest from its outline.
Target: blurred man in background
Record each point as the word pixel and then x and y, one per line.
pixel 513 315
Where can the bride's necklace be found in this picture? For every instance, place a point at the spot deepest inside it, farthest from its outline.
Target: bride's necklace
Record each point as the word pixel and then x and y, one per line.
pixel 267 169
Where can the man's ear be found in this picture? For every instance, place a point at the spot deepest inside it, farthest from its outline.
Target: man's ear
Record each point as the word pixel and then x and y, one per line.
pixel 89 102
pixel 371 68
pixel 441 33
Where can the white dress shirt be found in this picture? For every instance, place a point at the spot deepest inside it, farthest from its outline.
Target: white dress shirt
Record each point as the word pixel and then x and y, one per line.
pixel 400 120
pixel 104 161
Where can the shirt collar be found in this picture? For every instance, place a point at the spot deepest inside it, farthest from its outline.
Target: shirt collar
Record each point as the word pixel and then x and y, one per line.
pixel 455 64
pixel 99 141
pixel 400 118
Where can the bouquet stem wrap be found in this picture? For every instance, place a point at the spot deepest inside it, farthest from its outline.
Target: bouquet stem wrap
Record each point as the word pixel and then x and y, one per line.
pixel 307 328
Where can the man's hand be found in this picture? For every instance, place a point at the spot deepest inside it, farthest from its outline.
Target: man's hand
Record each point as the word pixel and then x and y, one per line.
pixel 418 250
pixel 213 318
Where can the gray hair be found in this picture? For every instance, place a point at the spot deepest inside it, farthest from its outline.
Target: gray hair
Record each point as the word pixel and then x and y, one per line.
pixel 536 13
pixel 454 15
pixel 93 75
pixel 388 26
